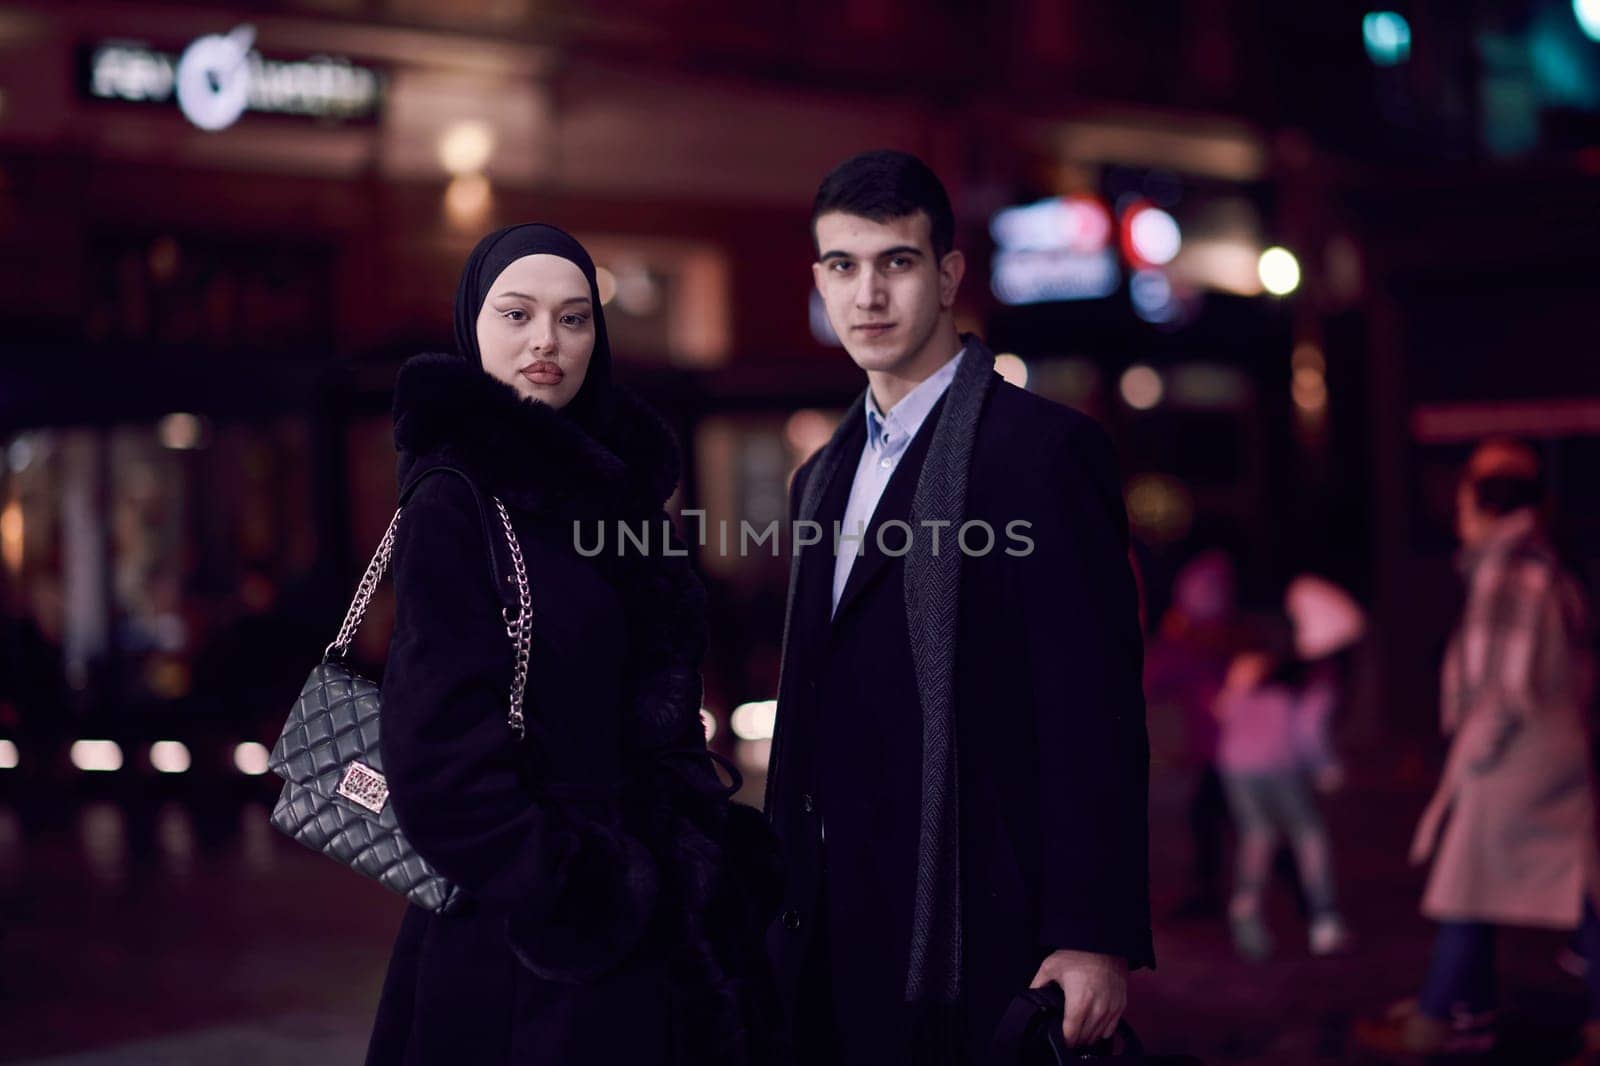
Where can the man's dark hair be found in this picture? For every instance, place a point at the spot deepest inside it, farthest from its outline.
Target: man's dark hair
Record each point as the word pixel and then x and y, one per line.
pixel 882 185
pixel 1501 494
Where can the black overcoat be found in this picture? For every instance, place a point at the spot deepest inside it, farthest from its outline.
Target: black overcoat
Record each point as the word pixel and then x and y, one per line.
pixel 1051 741
pixel 609 919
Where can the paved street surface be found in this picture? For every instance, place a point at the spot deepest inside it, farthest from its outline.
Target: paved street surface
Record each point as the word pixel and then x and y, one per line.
pixel 165 937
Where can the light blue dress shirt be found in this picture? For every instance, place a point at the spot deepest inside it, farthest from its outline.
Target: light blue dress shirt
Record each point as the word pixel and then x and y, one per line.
pixel 888 436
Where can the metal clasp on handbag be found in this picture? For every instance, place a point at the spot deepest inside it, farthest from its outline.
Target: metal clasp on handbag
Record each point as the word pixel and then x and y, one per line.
pixel 364 785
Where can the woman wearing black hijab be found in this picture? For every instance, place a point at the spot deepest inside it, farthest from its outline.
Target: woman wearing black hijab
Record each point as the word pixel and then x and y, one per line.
pixel 616 896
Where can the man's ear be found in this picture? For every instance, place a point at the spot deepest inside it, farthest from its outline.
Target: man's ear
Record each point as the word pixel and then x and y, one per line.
pixel 816 276
pixel 952 268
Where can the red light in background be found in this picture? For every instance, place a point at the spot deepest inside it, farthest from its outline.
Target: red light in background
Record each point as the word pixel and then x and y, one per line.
pixel 1148 236
pixel 1090 229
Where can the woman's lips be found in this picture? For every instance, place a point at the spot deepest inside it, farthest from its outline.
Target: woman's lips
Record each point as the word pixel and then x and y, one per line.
pixel 544 373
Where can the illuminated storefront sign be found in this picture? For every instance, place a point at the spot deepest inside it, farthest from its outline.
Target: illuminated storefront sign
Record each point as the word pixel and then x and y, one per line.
pixel 219 77
pixel 1056 249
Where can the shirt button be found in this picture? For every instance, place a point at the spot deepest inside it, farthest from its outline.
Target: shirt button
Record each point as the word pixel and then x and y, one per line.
pixel 791 920
pixel 807 804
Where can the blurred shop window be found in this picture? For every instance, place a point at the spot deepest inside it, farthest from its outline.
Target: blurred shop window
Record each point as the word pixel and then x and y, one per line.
pixel 665 301
pixel 33 689
pixel 151 516
pixel 212 546
pixel 185 290
pixel 744 464
pixel 169 563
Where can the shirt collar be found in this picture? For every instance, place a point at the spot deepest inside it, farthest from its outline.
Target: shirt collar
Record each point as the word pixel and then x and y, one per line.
pixel 907 416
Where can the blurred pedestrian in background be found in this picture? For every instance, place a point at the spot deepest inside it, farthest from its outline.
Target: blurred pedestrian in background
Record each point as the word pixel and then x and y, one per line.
pixel 1185 665
pixel 1510 828
pixel 605 924
pixel 1274 750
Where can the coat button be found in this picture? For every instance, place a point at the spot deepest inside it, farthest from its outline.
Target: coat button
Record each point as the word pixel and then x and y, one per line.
pixel 791 920
pixel 806 803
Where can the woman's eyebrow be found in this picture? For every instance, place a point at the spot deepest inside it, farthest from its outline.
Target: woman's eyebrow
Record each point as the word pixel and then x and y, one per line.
pixel 534 299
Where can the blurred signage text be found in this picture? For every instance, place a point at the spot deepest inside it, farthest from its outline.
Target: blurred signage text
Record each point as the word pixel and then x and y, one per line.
pixel 219 77
pixel 1055 249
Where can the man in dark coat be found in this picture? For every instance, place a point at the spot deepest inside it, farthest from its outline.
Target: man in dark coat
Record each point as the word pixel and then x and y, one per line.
pixel 960 767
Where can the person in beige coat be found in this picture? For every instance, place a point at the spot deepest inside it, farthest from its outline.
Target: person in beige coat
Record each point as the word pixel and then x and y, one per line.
pixel 1510 829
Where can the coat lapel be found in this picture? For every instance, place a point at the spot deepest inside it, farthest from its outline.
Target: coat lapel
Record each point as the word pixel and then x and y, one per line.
pixel 840 453
pixel 815 603
pixel 893 505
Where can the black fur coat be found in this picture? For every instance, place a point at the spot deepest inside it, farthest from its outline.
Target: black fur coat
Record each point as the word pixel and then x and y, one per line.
pixel 618 895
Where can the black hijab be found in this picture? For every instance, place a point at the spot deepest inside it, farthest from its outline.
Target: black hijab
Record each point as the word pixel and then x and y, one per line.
pixel 593 405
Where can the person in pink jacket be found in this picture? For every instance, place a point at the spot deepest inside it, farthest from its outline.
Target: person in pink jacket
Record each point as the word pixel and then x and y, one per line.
pixel 1274 749
pixel 1510 827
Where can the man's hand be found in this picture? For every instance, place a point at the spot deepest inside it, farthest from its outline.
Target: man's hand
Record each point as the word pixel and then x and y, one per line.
pixel 1096 991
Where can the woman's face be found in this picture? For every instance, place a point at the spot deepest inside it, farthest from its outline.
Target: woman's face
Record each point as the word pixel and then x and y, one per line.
pixel 536 328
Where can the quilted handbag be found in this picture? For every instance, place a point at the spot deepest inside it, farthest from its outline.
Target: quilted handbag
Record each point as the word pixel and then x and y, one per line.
pixel 335 799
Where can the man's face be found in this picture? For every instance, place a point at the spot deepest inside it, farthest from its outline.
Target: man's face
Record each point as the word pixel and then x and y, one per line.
pixel 882 286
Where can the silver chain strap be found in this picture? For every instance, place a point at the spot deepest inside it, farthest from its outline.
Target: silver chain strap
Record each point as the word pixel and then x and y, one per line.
pixel 364 591
pixel 519 629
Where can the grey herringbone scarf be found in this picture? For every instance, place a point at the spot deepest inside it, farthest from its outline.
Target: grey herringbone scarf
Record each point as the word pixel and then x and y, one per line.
pixel 932 591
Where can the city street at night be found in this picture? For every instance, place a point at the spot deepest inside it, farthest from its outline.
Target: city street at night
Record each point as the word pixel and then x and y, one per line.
pixel 1021 438
pixel 231 944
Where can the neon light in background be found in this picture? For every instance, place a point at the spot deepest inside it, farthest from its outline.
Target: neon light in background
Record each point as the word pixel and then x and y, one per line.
pixel 1012 368
pixel 1074 223
pixel 1055 249
pixel 467 200
pixel 181 432
pixel 12 528
pixel 169 756
pixel 1141 387
pixel 1150 291
pixel 96 756
pixel 1150 236
pixel 465 147
pixel 754 721
pixel 1387 36
pixel 1587 13
pixel 1280 271
pixel 1029 277
pixel 213 78
pixel 251 758
pixel 220 76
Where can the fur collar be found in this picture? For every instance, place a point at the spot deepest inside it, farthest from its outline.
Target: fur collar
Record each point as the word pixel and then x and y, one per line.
pixel 530 454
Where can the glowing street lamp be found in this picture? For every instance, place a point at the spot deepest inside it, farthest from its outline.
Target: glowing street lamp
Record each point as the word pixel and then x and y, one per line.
pixel 1279 270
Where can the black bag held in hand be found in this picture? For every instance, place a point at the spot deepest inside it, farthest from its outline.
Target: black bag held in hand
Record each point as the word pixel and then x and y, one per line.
pixel 1029 1034
pixel 335 799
